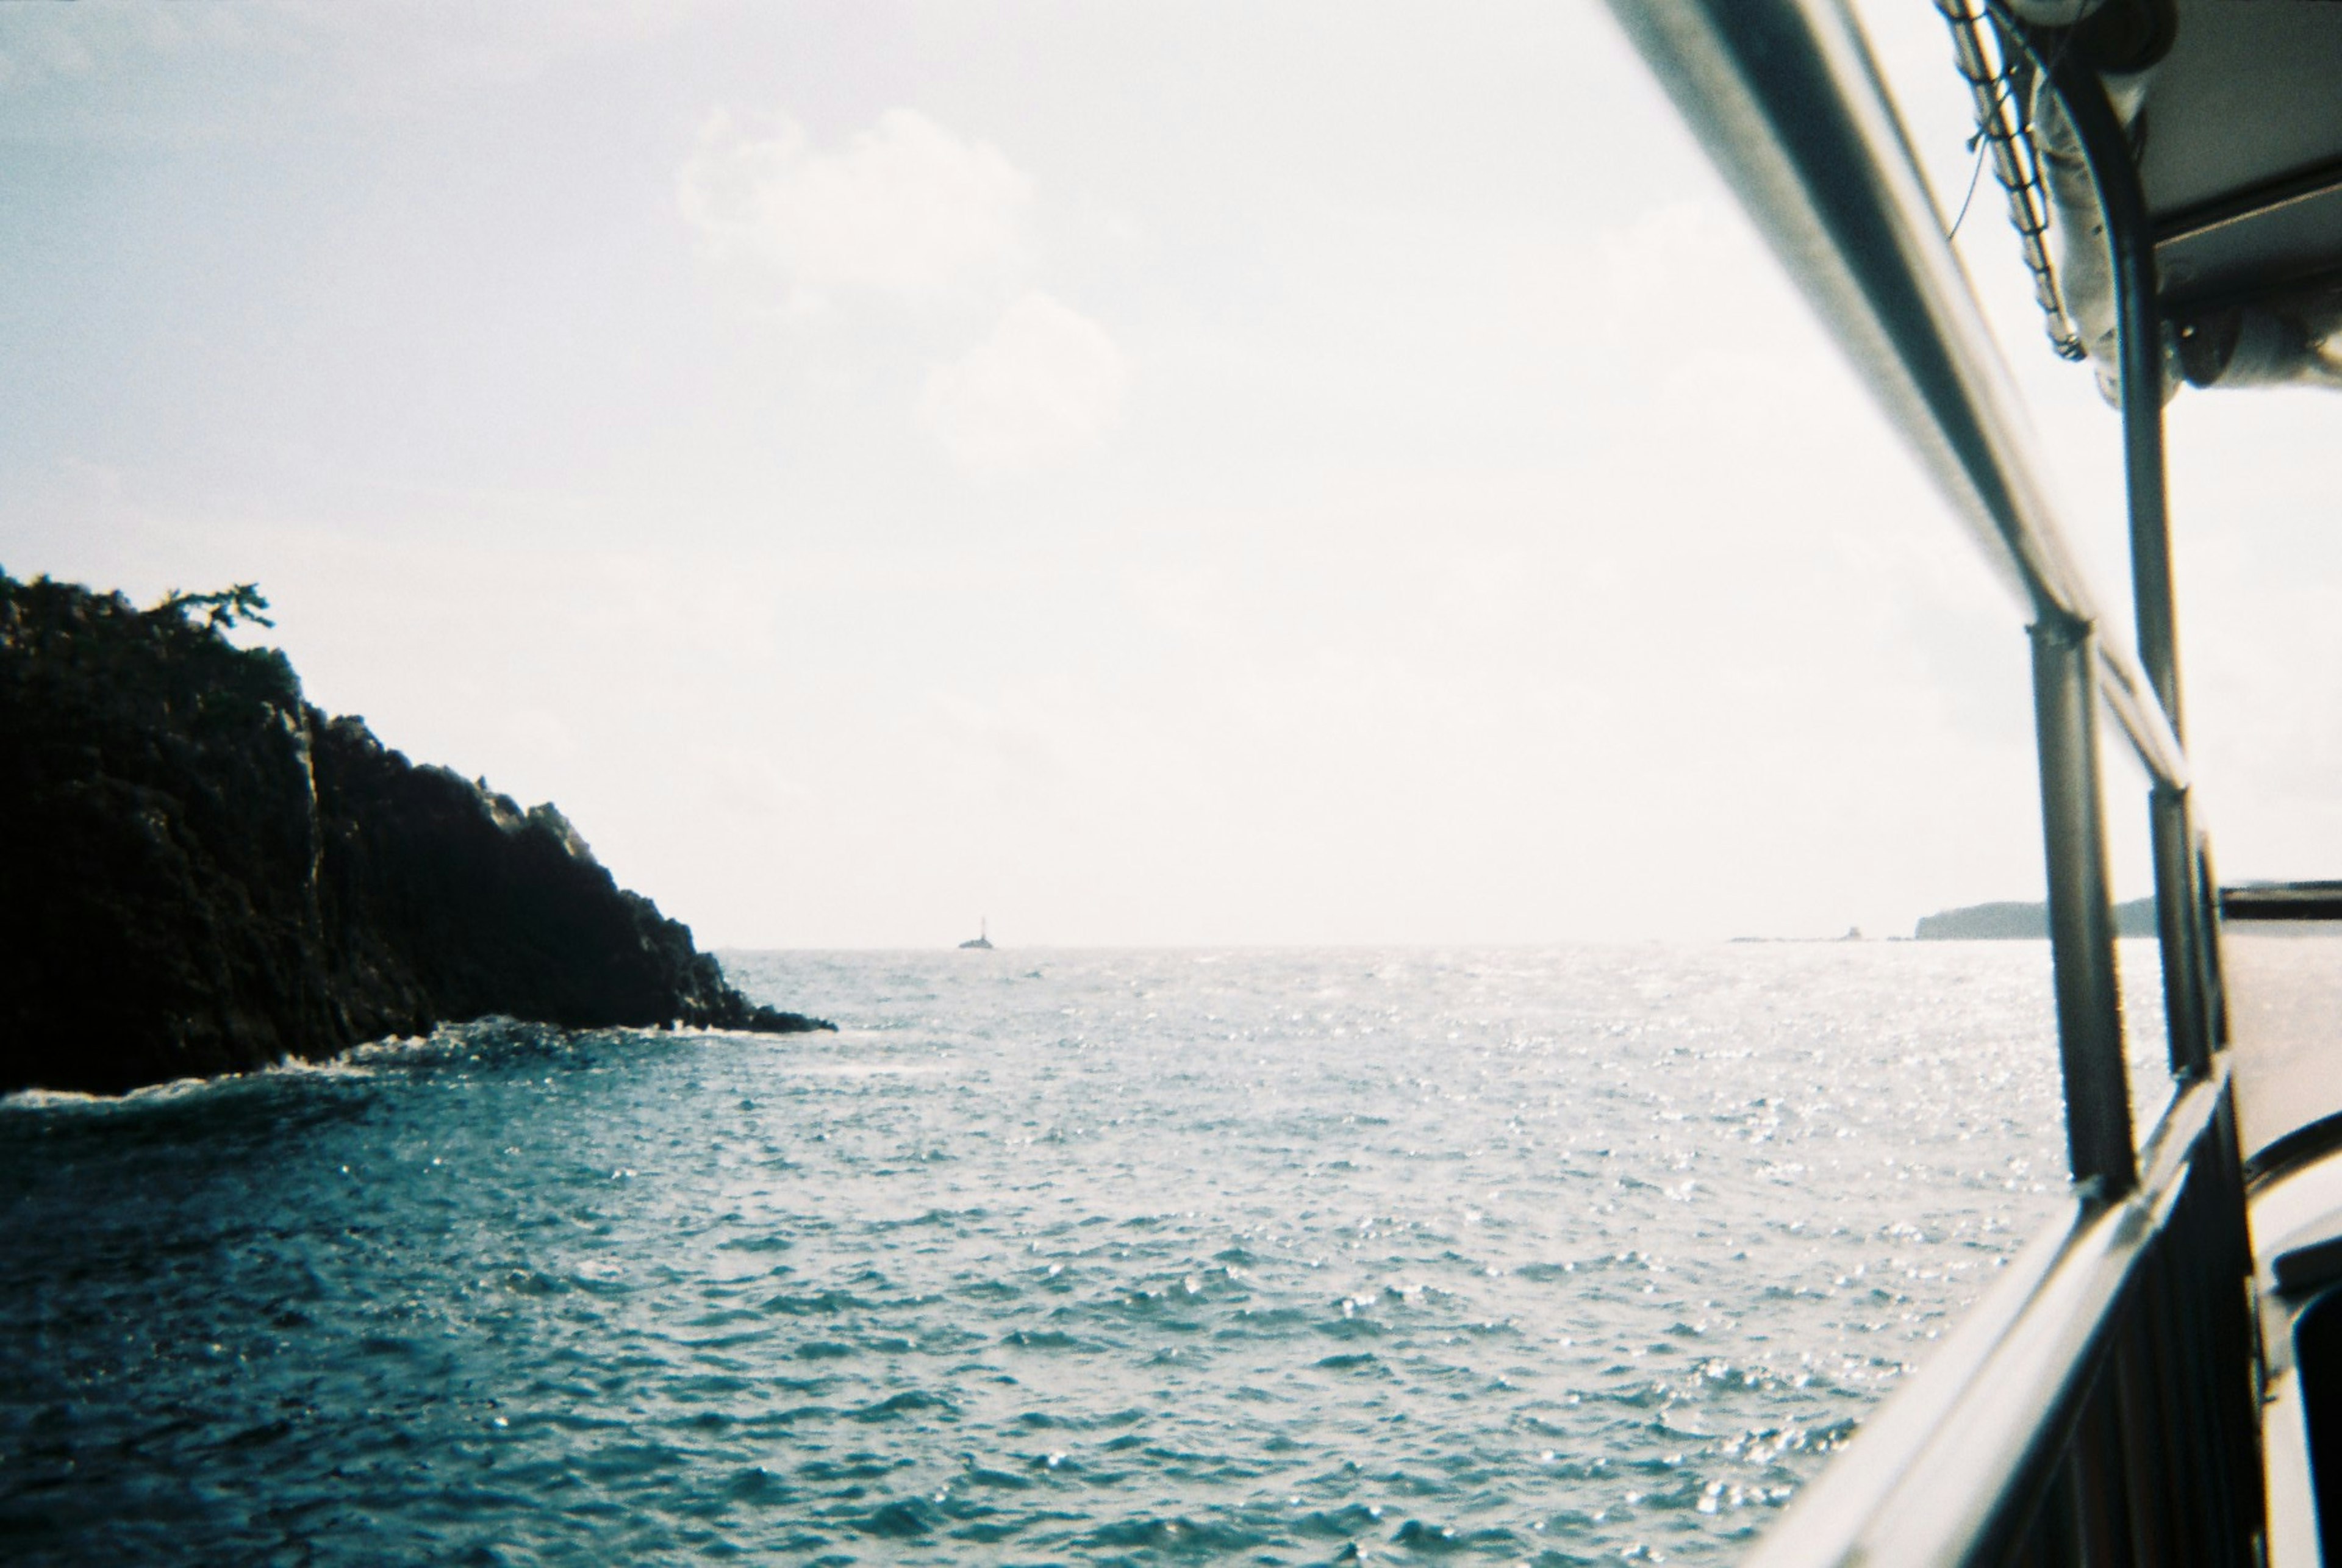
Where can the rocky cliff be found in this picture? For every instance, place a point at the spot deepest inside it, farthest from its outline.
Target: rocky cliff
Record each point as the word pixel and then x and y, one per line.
pixel 200 873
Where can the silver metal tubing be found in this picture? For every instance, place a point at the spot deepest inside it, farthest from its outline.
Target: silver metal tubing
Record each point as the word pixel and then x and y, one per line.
pixel 1991 1452
pixel 2130 242
pixel 2091 1410
pixel 1784 96
pixel 2207 920
pixel 2134 707
pixel 2179 923
pixel 2130 239
pixel 2081 916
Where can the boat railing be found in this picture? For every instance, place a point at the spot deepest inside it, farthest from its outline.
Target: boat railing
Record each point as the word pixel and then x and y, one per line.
pixel 2093 1407
pixel 2098 1404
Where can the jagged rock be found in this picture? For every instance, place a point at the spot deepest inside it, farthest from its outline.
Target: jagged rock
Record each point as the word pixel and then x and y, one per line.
pixel 200 873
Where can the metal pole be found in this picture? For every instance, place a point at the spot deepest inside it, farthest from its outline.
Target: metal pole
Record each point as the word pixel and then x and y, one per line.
pixel 2207 921
pixel 2178 922
pixel 2139 321
pixel 2130 243
pixel 1790 105
pixel 2099 1140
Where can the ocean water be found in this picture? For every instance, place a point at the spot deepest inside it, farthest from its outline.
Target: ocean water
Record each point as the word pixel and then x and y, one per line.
pixel 1549 1257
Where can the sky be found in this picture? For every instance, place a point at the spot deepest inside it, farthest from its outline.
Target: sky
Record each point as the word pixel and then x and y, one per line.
pixel 1202 475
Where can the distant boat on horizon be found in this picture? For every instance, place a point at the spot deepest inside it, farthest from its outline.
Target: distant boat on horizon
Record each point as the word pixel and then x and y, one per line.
pixel 980 939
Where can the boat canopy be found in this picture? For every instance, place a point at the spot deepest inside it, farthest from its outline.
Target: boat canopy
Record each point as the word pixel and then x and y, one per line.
pixel 2233 113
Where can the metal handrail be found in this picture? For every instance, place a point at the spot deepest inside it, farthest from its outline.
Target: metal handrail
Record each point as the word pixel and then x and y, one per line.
pixel 2094 1409
pixel 2141 718
pixel 2190 953
pixel 1786 100
pixel 1920 1484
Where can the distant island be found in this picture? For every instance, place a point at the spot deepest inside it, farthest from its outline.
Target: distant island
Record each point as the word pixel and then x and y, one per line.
pixel 206 874
pixel 2019 921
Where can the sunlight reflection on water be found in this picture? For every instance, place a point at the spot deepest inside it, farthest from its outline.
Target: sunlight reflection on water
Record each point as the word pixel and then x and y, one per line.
pixel 1078 1257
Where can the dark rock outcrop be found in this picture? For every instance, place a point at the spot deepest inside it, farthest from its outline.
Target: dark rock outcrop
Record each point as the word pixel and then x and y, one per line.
pixel 200 873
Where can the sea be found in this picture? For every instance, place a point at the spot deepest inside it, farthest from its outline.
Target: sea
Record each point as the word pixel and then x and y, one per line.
pixel 1565 1255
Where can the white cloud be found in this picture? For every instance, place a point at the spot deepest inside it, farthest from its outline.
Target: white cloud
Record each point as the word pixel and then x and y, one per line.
pixel 904 208
pixel 1046 383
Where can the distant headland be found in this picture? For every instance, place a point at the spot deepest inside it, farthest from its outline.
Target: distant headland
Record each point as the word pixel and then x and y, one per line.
pixel 2018 921
pixel 206 874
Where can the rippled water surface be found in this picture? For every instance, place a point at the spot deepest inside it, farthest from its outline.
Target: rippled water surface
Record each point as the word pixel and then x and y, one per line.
pixel 1550 1256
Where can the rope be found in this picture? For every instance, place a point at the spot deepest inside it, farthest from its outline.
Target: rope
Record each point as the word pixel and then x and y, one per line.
pixel 2004 134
